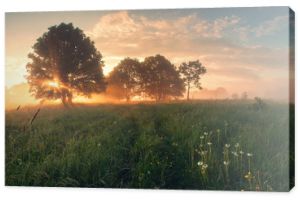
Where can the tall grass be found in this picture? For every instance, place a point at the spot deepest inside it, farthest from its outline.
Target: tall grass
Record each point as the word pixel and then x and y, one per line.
pixel 213 145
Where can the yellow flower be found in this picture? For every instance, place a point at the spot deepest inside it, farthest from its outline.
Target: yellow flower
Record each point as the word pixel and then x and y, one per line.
pixel 249 176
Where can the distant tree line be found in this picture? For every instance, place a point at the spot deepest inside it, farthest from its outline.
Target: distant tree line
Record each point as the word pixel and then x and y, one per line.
pixel 65 62
pixel 155 78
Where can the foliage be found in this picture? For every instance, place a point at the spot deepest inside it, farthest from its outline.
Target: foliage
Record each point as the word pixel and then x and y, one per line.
pixel 177 145
pixel 191 73
pixel 64 62
pixel 125 79
pixel 160 79
pixel 244 96
pixel 259 104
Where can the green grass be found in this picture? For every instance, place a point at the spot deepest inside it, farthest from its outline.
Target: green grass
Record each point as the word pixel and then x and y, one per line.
pixel 150 146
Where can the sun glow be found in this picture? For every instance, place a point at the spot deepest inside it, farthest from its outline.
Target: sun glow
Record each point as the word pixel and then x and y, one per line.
pixel 53 84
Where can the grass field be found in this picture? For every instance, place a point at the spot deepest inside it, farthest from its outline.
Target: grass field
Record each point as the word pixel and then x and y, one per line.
pixel 211 145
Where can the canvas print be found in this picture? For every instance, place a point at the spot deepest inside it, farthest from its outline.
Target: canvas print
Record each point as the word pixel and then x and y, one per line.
pixel 197 99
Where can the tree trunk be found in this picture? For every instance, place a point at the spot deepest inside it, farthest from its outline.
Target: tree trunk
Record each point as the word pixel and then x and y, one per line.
pixel 70 98
pixel 66 98
pixel 188 92
pixel 127 94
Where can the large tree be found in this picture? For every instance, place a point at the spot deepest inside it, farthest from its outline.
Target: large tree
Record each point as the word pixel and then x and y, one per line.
pixel 124 80
pixel 191 73
pixel 64 62
pixel 160 79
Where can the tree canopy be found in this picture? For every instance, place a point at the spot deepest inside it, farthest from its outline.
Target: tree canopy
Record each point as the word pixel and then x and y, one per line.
pixel 64 62
pixel 191 74
pixel 160 79
pixel 124 81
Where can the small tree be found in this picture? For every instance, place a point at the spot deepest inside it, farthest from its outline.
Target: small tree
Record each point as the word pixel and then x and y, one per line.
pixel 191 73
pixel 259 103
pixel 124 80
pixel 160 79
pixel 244 96
pixel 64 62
pixel 235 96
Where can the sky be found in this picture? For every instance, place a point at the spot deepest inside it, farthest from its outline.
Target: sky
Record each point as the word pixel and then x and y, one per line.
pixel 243 49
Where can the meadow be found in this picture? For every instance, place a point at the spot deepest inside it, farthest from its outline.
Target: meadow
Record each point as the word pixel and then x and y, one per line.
pixel 207 145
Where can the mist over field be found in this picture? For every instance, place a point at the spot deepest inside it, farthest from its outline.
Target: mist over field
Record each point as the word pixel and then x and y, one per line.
pixel 158 99
pixel 12 100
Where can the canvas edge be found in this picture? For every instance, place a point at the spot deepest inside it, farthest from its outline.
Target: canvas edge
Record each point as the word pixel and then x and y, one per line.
pixel 291 98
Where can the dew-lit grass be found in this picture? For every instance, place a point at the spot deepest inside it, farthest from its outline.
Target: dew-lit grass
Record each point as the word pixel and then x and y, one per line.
pixel 212 145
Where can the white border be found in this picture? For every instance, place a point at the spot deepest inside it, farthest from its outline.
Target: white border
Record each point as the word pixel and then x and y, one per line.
pixel 71 193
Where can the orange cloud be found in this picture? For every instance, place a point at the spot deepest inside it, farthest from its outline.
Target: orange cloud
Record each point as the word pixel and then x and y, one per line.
pixel 230 64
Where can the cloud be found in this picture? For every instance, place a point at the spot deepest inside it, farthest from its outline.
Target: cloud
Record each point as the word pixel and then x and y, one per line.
pixel 217 27
pixel 125 34
pixel 271 26
pixel 226 46
pixel 117 25
pixel 246 33
pixel 125 26
pixel 121 32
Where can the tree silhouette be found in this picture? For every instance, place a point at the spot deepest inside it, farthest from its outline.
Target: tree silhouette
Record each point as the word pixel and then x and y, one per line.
pixel 235 96
pixel 244 96
pixel 160 80
pixel 191 73
pixel 124 80
pixel 64 62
